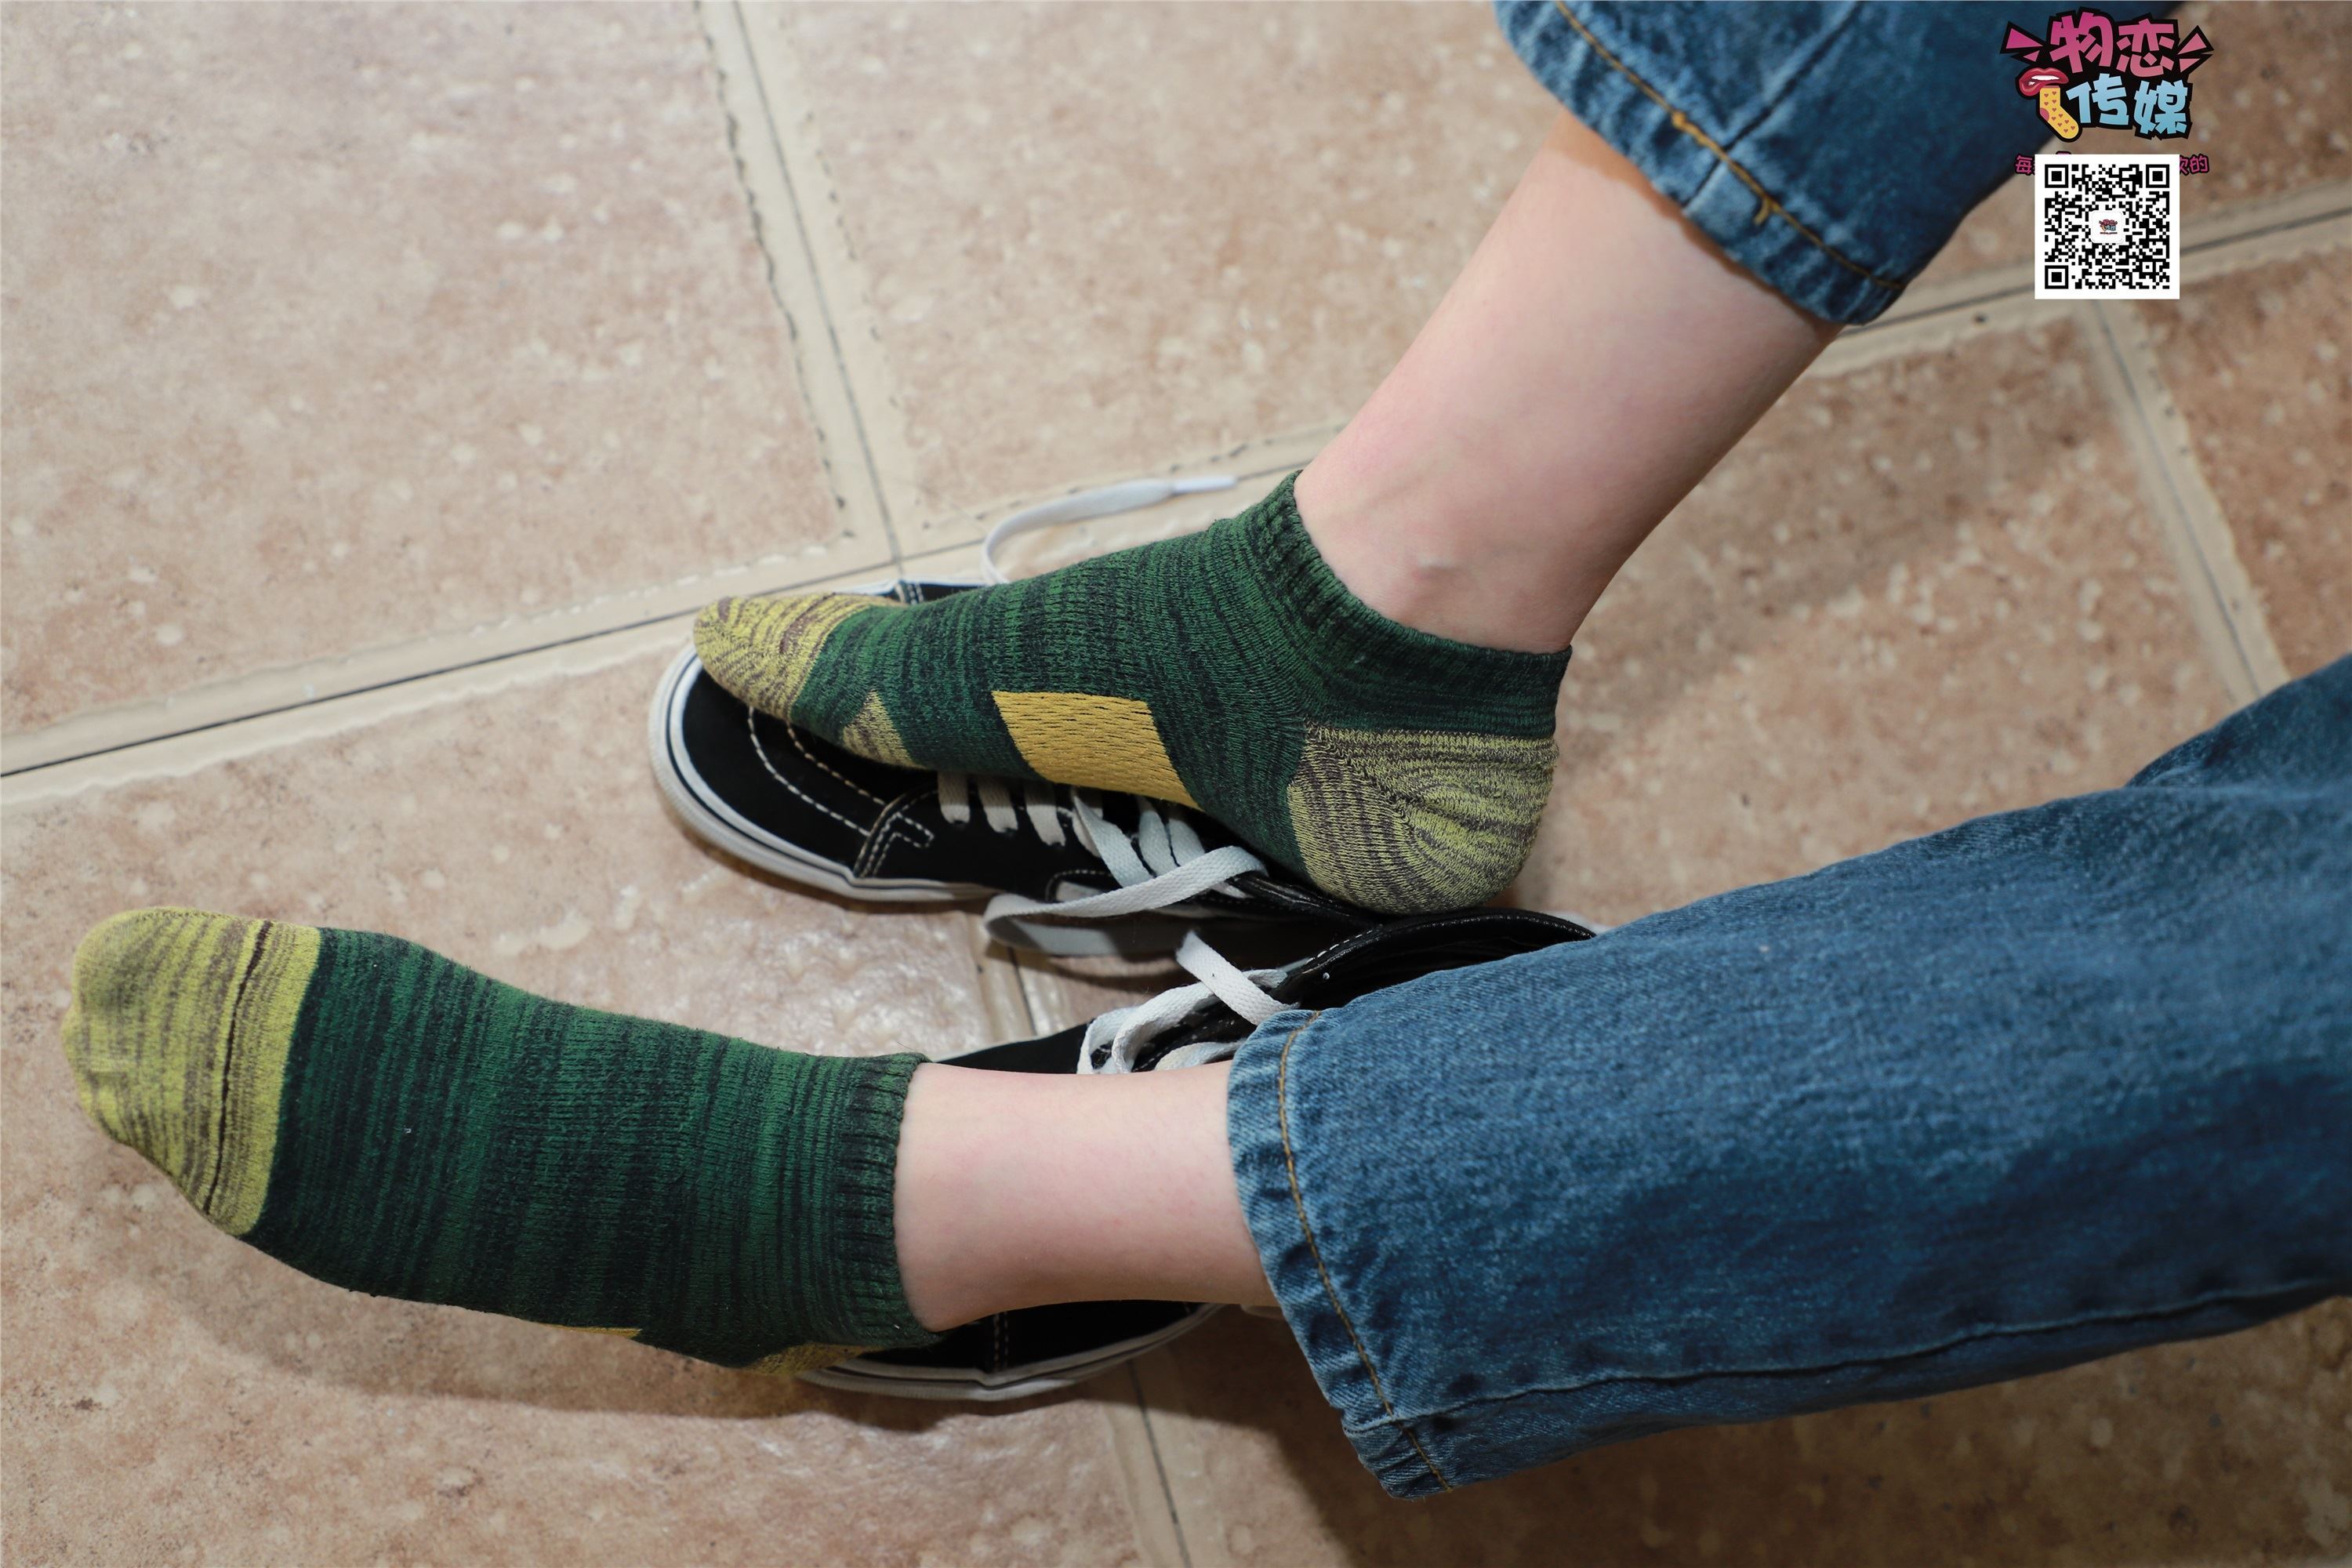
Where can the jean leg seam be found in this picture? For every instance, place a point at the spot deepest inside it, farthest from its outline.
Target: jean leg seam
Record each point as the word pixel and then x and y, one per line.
pixel 1606 1380
pixel 1330 1290
pixel 1769 205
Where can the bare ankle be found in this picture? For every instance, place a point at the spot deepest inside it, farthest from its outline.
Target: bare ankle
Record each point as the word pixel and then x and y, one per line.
pixel 1422 554
pixel 1017 1189
pixel 1592 362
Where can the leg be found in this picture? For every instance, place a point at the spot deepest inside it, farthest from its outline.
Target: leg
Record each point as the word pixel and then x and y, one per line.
pixel 1359 676
pixel 386 1120
pixel 1594 360
pixel 2045 1087
pixel 1114 1188
pixel 382 1118
pixel 1695 229
pixel 1360 680
pixel 2042 1088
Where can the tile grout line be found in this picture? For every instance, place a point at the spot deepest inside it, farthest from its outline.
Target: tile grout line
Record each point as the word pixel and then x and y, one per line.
pixel 1158 1535
pixel 2312 206
pixel 835 271
pixel 224 738
pixel 779 171
pixel 1006 1000
pixel 797 296
pixel 2223 604
pixel 777 168
pixel 185 751
pixel 2249 235
pixel 1134 1432
pixel 263 693
pixel 1158 1467
pixel 178 756
pixel 266 692
pixel 1178 1448
pixel 1155 1427
pixel 2259 233
pixel 1014 1013
pixel 1931 332
pixel 730 67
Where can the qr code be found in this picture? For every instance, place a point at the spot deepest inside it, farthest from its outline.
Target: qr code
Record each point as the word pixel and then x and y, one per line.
pixel 2105 226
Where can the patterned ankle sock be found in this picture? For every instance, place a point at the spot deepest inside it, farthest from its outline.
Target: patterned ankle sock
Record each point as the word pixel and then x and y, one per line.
pixel 1229 670
pixel 389 1122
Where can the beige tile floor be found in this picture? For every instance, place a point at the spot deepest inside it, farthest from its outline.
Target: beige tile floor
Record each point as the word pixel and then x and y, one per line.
pixel 384 386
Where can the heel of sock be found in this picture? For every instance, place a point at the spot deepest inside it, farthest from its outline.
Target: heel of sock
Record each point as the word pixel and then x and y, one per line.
pixel 1413 822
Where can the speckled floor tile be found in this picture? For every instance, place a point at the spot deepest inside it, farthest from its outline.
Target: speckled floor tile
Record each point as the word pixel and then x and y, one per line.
pixel 2260 365
pixel 2266 108
pixel 2220 1451
pixel 1097 239
pixel 332 326
pixel 266 1418
pixel 1957 534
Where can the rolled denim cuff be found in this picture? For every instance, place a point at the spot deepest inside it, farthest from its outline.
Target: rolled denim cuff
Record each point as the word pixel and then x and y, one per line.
pixel 1340 1336
pixel 1828 149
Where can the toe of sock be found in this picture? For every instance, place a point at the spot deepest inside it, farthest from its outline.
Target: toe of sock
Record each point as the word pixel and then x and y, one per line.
pixel 762 649
pixel 178 1033
pixel 118 1002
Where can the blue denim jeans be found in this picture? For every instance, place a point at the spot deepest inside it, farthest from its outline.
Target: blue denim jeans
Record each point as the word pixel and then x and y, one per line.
pixel 1829 148
pixel 2042 1087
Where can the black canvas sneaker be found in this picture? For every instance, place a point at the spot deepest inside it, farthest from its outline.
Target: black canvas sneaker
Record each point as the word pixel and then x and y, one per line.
pixel 1066 872
pixel 1036 1350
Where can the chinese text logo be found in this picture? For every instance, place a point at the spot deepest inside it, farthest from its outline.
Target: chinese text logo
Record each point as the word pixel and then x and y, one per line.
pixel 2094 71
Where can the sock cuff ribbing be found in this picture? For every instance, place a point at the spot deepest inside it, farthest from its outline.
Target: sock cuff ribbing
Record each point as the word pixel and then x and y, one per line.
pixel 855 1295
pixel 1501 688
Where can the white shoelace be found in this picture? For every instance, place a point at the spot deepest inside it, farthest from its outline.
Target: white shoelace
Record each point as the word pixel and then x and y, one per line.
pixel 1126 496
pixel 1119 1038
pixel 1164 862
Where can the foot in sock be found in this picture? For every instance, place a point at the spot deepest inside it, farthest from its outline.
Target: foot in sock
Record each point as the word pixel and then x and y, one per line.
pixel 386 1120
pixel 1229 670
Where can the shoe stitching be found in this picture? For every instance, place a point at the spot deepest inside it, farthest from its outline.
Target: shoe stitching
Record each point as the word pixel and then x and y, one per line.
pixel 893 827
pixel 880 846
pixel 877 843
pixel 801 745
pixel 751 726
pixel 1298 1201
pixel 1771 205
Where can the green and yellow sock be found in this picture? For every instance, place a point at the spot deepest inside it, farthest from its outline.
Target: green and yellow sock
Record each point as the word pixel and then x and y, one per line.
pixel 389 1122
pixel 1229 670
